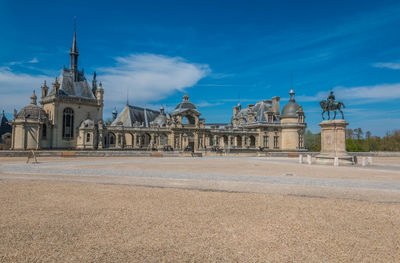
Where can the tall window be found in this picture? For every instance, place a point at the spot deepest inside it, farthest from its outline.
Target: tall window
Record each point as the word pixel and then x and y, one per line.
pixel 301 140
pixel 68 123
pixel 276 141
pixel 44 131
pixel 176 141
pixel 266 141
pixel 88 137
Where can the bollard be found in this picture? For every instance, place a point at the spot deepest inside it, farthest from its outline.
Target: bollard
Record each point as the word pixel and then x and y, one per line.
pixel 300 158
pixel 369 160
pixel 364 161
pixel 309 161
pixel 336 161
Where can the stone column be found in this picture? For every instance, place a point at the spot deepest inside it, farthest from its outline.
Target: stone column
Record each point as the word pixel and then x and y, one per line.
pixel 333 143
pixel 196 141
pixel 38 137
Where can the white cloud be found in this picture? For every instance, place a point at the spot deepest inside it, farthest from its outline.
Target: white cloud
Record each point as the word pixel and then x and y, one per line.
pixel 205 104
pixel 34 60
pixel 376 92
pixel 16 88
pixel 22 62
pixel 389 65
pixel 359 95
pixel 149 77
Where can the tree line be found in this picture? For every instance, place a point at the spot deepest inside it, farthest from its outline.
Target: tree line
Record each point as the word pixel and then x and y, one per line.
pixel 358 141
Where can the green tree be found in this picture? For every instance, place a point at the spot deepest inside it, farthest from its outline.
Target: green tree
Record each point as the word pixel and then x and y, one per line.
pixel 312 141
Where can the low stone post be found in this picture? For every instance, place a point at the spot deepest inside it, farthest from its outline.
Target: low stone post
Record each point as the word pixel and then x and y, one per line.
pixel 300 158
pixel 364 161
pixel 336 161
pixel 309 160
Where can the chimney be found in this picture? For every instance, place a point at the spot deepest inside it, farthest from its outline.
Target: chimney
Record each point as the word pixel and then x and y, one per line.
pixel 237 109
pixel 45 90
pixel 275 105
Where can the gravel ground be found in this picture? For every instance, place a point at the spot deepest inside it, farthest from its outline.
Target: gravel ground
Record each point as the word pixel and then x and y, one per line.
pixel 205 209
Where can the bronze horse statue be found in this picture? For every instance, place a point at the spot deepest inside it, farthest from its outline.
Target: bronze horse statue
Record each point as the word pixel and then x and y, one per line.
pixel 331 106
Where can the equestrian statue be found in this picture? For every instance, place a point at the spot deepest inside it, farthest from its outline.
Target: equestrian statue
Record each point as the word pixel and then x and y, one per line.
pixel 331 105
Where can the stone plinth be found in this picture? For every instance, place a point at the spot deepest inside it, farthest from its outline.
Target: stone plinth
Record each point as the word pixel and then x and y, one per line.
pixel 333 143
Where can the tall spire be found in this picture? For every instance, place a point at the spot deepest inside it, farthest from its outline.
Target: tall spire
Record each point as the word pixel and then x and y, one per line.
pixel 94 83
pixel 74 54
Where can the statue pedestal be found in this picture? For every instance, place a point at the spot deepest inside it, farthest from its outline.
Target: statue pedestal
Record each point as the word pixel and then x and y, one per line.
pixel 333 143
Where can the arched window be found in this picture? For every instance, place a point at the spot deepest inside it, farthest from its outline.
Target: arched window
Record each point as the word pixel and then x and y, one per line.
pixel 44 131
pixel 68 123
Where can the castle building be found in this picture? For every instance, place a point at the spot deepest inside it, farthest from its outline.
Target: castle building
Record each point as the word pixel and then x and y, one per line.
pixel 71 117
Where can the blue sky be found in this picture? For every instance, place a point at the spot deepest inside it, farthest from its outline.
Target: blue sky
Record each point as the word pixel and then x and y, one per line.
pixel 217 51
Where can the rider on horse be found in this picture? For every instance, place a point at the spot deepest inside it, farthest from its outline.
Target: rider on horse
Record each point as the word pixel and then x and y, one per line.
pixel 331 98
pixel 330 104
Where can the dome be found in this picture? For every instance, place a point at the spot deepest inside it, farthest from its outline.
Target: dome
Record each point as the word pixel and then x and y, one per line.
pixel 290 110
pixel 185 105
pixel 32 111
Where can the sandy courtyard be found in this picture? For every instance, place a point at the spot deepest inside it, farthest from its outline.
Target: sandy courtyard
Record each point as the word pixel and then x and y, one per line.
pixel 197 210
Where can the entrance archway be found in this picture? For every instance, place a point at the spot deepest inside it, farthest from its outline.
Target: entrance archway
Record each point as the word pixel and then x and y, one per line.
pixel 252 141
pixel 145 140
pixel 226 141
pixel 239 141
pixel 109 140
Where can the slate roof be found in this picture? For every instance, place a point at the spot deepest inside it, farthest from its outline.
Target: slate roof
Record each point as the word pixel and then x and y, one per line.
pixel 259 109
pixel 133 114
pixel 69 87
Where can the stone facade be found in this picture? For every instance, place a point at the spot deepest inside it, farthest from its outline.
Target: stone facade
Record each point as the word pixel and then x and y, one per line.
pixel 71 117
